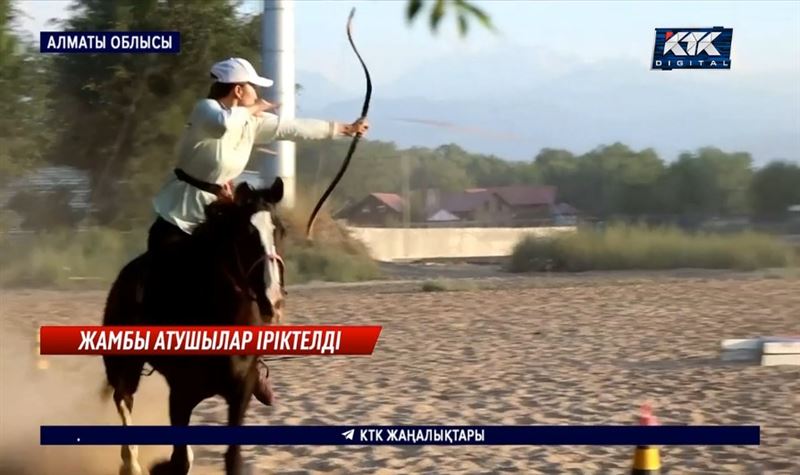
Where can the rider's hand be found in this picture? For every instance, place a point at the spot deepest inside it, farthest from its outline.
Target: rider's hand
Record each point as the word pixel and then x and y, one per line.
pixel 361 126
pixel 227 191
pixel 262 106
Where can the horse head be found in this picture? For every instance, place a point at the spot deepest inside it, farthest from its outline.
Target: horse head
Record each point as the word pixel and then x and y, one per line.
pixel 248 234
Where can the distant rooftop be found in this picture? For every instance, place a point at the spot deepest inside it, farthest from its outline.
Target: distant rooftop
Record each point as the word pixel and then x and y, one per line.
pixel 514 195
pixel 51 178
pixel 392 200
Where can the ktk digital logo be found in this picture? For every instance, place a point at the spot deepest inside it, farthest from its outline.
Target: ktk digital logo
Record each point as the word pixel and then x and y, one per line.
pixel 693 48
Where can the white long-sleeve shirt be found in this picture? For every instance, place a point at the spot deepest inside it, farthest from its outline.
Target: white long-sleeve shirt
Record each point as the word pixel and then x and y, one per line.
pixel 215 148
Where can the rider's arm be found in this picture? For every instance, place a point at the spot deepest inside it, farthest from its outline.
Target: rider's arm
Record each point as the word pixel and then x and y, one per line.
pixel 272 127
pixel 216 120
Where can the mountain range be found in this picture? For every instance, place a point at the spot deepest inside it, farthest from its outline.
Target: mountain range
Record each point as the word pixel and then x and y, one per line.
pixel 515 102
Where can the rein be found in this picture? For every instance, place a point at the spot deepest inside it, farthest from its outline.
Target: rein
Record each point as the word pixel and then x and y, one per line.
pixel 272 256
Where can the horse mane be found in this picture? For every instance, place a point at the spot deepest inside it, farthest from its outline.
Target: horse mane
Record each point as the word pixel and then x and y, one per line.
pixel 220 218
pixel 224 217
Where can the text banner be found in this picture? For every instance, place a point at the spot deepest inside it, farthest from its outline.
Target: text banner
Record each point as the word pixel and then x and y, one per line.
pixel 208 340
pixel 109 42
pixel 401 435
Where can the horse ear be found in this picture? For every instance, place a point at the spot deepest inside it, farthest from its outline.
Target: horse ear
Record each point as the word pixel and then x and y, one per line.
pixel 274 194
pixel 244 194
pixel 214 210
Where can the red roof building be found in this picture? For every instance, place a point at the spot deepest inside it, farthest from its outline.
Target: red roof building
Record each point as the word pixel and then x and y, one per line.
pixel 498 205
pixel 376 209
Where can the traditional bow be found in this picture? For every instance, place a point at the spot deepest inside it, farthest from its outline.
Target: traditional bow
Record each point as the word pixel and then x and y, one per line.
pixel 356 137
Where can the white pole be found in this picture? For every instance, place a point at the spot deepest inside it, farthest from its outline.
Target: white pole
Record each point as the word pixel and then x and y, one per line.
pixel 277 50
pixel 407 201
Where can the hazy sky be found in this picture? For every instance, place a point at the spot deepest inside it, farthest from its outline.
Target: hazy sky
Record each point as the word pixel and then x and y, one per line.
pixel 601 49
pixel 766 34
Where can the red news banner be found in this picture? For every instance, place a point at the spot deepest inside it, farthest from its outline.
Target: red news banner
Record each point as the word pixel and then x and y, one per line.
pixel 207 340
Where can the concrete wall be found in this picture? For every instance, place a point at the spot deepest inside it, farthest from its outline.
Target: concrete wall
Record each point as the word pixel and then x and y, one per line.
pixel 389 244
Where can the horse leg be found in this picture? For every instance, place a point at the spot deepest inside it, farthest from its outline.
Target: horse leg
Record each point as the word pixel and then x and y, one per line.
pixel 123 374
pixel 233 456
pixel 237 405
pixel 181 406
pixel 129 453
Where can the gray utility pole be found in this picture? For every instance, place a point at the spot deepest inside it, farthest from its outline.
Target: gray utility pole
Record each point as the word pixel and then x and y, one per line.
pixel 277 35
pixel 406 200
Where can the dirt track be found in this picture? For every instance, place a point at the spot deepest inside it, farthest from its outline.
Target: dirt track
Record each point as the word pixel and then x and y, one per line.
pixel 541 351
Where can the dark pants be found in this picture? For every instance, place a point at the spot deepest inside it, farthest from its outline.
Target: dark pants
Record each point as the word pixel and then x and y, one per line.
pixel 163 233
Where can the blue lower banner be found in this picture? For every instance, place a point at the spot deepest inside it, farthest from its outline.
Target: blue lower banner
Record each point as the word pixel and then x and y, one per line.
pixel 401 435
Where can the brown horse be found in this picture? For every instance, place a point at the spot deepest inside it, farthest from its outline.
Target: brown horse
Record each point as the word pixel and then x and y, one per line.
pixel 216 276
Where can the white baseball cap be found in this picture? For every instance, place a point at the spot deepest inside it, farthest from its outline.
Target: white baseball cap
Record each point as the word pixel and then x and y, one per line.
pixel 238 70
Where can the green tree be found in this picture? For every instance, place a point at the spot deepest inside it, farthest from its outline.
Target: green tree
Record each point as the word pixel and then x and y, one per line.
pixel 692 187
pixel 24 101
pixel 607 181
pixel 375 167
pixel 774 188
pixel 710 182
pixel 559 168
pixel 437 173
pixel 733 173
pixel 464 11
pixel 130 109
pixel 635 181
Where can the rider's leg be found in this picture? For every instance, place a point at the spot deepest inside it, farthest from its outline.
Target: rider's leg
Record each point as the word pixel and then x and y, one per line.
pixel 263 388
pixel 162 233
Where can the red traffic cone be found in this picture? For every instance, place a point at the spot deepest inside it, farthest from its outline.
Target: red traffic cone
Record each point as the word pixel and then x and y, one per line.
pixel 646 417
pixel 646 459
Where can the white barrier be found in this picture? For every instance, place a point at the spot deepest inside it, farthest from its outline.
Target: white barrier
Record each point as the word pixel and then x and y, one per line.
pixel 391 244
pixel 768 351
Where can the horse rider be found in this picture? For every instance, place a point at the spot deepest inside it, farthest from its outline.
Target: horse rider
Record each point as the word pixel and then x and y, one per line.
pixel 214 149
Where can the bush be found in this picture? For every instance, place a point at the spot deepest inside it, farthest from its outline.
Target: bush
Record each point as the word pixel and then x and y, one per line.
pixel 332 255
pixel 94 257
pixel 67 258
pixel 324 262
pixel 621 247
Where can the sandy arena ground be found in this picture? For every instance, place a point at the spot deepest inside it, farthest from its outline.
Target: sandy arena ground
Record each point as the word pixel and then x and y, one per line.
pixel 536 350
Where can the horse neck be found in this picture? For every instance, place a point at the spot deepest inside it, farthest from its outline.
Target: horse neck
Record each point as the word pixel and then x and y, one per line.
pixel 226 279
pixel 232 262
pixel 215 254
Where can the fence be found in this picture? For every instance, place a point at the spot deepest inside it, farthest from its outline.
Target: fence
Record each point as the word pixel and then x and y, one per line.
pixel 393 244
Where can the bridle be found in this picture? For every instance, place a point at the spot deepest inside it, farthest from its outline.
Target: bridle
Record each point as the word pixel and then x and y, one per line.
pixel 270 255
